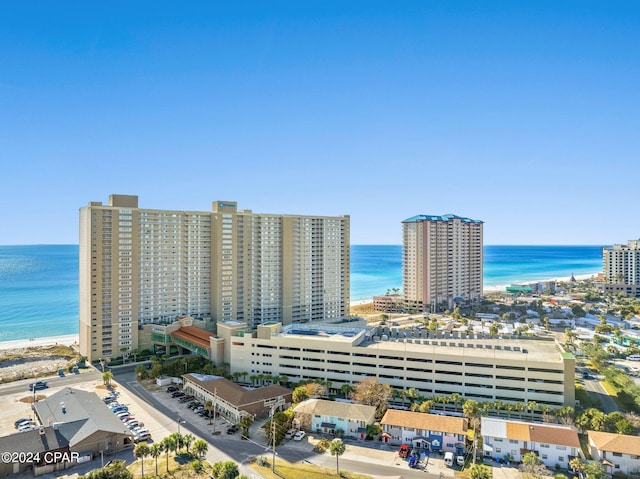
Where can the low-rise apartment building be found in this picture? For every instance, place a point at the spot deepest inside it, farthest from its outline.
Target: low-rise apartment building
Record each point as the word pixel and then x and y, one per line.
pixel 328 417
pixel 434 432
pixel 617 452
pixel 512 440
pixel 485 369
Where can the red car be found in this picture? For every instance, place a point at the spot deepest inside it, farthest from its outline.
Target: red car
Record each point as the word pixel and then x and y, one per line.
pixel 404 450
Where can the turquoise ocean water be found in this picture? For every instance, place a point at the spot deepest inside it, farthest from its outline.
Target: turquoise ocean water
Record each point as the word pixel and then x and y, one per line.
pixel 39 284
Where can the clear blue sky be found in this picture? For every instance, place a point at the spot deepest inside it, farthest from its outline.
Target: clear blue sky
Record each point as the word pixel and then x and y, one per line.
pixel 524 114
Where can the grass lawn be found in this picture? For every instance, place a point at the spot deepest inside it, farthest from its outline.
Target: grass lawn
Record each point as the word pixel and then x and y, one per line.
pixel 286 470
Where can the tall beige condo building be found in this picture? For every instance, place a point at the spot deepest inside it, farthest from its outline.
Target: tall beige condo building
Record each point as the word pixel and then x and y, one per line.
pixel 442 261
pixel 146 266
pixel 621 268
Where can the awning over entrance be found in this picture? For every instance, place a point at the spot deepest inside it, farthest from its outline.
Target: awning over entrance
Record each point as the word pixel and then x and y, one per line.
pixel 487 448
pixel 328 425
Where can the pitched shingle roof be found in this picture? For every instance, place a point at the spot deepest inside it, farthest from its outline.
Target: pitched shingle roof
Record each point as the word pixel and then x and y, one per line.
pixel 235 394
pixel 355 412
pixel 525 431
pixel 81 411
pixel 607 441
pixel 427 422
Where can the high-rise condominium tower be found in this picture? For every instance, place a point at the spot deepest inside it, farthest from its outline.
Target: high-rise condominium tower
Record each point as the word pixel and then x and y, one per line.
pixel 140 266
pixel 621 268
pixel 441 260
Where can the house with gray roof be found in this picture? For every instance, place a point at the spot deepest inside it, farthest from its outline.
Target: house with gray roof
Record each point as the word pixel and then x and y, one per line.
pixel 38 443
pixel 85 421
pixel 327 417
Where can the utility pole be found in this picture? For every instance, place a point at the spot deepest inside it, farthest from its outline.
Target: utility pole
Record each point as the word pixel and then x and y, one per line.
pixel 215 406
pixel 278 403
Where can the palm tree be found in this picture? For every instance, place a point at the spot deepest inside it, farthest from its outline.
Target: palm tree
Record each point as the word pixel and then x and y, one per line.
pixel 140 452
pixel 470 408
pixel 178 440
pixel 346 389
pixel 187 441
pixel 169 445
pixel 531 406
pixel 455 399
pixel 337 449
pixel 200 447
pixel 156 450
pixel 107 376
pixel 498 405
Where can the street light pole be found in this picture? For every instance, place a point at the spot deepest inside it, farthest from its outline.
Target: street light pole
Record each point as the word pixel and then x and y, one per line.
pixel 278 403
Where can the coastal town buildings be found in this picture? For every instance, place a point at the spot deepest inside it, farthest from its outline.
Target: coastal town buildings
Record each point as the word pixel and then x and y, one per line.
pixel 508 369
pixel 147 266
pixel 442 261
pixel 621 268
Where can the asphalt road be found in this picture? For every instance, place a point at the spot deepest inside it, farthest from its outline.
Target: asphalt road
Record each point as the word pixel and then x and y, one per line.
pixel 54 381
pixel 595 390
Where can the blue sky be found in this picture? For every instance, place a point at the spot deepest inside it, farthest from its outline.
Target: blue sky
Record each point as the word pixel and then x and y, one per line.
pixel 522 114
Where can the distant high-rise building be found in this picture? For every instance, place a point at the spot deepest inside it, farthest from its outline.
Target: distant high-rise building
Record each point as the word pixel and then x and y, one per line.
pixel 621 268
pixel 442 261
pixel 141 266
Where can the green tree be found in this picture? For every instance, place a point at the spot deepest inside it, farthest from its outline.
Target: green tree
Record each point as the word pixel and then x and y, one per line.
pixel 479 471
pixel 156 450
pixel 141 451
pixel 200 448
pixel 117 469
pixel 337 449
pixel 470 408
pixel 532 465
pixel 594 470
pixel 107 376
pixel 169 445
pixel 187 441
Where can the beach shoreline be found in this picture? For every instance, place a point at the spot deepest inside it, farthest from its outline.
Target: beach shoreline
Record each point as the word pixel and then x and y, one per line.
pixel 65 340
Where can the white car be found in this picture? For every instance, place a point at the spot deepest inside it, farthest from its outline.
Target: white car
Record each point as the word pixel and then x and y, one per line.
pixel 26 427
pixel 299 436
pixel 289 434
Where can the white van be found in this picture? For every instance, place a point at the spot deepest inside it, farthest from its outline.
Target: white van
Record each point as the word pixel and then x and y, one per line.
pixel 448 459
pixel 634 357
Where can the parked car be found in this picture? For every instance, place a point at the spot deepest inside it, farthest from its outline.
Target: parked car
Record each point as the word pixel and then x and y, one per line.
pixel 186 398
pixel 177 394
pixel 132 424
pixel 289 434
pixel 299 436
pixel 21 420
pixel 404 450
pixel 232 430
pixel 448 459
pixel 172 389
pixel 193 404
pixel 27 426
pixel 141 437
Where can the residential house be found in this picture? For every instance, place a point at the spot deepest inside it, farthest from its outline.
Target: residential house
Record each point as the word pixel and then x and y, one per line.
pixel 47 445
pixel 618 452
pixel 554 444
pixel 328 417
pixel 433 432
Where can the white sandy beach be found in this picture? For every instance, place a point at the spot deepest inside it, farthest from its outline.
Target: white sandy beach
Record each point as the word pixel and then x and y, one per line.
pixel 66 340
pixel 502 287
